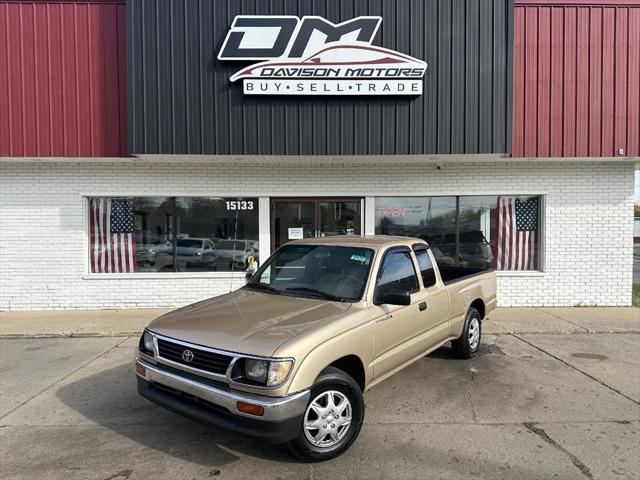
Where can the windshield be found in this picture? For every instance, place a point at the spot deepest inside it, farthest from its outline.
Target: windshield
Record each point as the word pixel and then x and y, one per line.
pixel 322 271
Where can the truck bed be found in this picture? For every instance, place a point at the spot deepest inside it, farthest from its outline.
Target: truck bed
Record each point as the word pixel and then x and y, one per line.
pixel 465 285
pixel 453 274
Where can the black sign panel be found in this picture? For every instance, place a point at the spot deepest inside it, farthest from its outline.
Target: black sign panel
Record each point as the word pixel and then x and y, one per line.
pixel 181 99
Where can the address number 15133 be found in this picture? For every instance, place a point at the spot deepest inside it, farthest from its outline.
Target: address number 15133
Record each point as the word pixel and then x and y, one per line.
pixel 239 205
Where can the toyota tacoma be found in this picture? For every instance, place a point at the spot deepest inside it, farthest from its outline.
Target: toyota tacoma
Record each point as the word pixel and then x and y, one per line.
pixel 288 357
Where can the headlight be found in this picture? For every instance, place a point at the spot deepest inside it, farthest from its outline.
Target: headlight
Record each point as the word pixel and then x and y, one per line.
pixel 256 370
pixel 146 343
pixel 269 373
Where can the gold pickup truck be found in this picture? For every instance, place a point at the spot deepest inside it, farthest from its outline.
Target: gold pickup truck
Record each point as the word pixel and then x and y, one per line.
pixel 287 357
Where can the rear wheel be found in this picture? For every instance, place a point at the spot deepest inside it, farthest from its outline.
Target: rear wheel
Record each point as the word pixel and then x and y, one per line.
pixel 469 342
pixel 332 419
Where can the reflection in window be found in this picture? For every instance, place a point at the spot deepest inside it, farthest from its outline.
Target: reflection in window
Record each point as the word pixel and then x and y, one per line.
pixel 223 233
pixel 316 270
pixel 477 226
pixel 500 232
pixel 339 218
pixel 430 218
pixel 153 219
pixel 164 234
pixel 397 274
pixel 426 268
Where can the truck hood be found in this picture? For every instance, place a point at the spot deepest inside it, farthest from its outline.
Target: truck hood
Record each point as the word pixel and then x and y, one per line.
pixel 245 321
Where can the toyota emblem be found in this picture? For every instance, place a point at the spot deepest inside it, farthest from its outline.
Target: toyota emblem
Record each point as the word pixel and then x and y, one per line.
pixel 188 356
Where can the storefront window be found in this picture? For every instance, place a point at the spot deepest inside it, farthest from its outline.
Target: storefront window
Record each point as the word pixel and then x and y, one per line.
pixel 501 232
pixel 478 217
pixel 516 244
pixel 430 218
pixel 153 233
pixel 166 234
pixel 226 229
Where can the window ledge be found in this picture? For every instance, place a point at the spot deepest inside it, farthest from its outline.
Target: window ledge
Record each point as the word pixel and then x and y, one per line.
pixel 520 273
pixel 164 275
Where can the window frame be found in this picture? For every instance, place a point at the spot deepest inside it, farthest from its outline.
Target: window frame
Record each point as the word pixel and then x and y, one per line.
pixel 212 274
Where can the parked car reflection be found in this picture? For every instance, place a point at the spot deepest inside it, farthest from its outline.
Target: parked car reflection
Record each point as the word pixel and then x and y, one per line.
pixel 196 254
pixel 233 254
pixel 474 249
pixel 147 254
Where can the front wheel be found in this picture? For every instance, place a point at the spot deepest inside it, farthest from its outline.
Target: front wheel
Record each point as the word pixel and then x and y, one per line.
pixel 332 419
pixel 467 345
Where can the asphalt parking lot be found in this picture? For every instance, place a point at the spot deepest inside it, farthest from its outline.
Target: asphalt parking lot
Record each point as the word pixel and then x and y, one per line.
pixel 529 406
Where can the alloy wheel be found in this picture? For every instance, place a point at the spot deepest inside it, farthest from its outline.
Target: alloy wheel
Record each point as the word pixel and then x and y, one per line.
pixel 327 419
pixel 474 333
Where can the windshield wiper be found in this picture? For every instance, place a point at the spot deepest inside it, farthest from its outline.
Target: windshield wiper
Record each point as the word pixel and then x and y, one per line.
pixel 263 286
pixel 315 291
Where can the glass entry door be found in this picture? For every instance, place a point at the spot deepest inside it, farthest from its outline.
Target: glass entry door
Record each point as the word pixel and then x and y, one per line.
pixel 294 219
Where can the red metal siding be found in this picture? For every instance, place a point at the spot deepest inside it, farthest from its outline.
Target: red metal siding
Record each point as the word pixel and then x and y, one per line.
pixel 62 68
pixel 576 76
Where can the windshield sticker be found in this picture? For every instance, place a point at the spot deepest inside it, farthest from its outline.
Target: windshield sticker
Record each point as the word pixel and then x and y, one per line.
pixel 361 258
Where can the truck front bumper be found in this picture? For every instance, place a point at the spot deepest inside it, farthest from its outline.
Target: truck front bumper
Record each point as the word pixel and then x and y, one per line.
pixel 216 404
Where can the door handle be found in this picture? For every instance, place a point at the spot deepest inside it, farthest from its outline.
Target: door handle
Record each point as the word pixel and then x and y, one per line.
pixel 422 306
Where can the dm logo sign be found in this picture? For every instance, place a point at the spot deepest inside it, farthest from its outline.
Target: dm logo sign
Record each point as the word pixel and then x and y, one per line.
pixel 312 56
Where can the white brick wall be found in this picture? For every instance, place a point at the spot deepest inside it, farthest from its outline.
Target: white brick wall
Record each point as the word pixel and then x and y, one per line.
pixel 588 224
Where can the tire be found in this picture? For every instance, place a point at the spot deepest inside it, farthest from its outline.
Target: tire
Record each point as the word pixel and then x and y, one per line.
pixel 467 345
pixel 336 384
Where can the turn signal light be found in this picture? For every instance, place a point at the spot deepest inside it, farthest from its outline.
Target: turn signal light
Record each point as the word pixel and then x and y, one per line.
pixel 249 408
pixel 140 370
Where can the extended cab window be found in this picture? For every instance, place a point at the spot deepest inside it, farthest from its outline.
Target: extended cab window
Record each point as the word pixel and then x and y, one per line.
pixel 397 273
pixel 425 265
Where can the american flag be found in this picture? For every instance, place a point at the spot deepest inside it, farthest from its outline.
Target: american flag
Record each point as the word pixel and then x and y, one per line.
pixel 517 230
pixel 112 244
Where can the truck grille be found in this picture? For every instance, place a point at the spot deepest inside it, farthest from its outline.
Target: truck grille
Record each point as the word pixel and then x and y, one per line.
pixel 202 359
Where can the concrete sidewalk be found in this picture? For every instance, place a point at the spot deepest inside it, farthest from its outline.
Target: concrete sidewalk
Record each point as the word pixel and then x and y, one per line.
pixel 120 323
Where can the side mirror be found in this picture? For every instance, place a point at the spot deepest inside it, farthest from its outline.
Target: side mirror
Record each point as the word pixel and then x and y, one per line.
pixel 395 297
pixel 247 276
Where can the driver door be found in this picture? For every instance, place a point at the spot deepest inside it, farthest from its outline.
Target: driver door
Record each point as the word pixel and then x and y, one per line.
pixel 397 328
